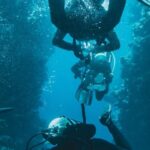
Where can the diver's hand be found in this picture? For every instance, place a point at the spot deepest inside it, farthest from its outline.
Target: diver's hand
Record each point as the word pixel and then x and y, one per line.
pixel 106 119
pixel 78 52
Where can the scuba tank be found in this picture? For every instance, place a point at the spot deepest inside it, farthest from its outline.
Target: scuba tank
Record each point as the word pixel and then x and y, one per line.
pixel 67 15
pixel 96 75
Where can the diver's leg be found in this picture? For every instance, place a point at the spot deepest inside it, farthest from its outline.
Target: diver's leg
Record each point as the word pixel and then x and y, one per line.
pixel 120 140
pixel 83 95
pixel 59 41
pixel 113 15
pixel 100 95
pixel 57 12
pixel 78 92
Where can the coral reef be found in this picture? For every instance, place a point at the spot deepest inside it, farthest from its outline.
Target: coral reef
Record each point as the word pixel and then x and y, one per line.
pixel 134 97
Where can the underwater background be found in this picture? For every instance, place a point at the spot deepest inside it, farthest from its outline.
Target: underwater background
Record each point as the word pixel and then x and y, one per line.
pixel 35 76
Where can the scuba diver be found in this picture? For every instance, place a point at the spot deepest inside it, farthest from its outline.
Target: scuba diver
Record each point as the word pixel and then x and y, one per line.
pixel 95 76
pixel 68 134
pixel 95 71
pixel 93 30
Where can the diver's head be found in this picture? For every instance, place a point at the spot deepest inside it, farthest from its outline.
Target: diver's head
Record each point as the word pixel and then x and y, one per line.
pixel 62 130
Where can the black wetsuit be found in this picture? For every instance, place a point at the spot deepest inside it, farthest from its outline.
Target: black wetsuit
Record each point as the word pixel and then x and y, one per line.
pixel 98 144
pixel 91 31
pixel 104 25
pixel 88 72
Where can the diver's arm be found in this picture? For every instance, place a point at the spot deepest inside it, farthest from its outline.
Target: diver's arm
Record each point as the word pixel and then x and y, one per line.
pixel 115 10
pixel 58 41
pixel 118 137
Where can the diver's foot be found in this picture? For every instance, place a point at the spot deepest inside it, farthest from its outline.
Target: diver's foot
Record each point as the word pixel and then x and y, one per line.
pixel 100 95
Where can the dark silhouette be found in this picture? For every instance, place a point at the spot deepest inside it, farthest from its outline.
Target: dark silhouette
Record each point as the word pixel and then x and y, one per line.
pixel 96 75
pixel 71 135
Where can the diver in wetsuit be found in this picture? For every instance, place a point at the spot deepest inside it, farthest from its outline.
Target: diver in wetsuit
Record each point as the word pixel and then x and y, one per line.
pixel 96 76
pixel 95 72
pixel 101 29
pixel 68 134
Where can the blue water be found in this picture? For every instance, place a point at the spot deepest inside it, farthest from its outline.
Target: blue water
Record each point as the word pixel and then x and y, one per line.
pixel 26 32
